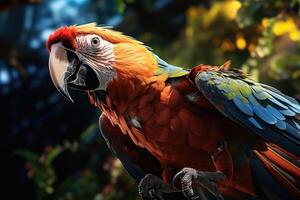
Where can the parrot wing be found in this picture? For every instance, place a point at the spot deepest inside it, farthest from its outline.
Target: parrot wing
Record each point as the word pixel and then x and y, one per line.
pixel 259 107
pixel 137 161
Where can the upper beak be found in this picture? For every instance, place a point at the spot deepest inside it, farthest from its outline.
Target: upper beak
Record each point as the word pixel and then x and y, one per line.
pixel 68 70
pixel 62 65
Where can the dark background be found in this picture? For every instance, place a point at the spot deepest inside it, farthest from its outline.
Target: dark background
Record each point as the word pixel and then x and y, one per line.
pixel 51 148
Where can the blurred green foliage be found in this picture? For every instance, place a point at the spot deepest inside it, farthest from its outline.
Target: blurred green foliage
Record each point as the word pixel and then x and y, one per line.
pixel 100 178
pixel 261 37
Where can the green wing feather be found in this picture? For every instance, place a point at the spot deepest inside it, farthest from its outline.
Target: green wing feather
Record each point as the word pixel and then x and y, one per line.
pixel 262 108
pixel 168 69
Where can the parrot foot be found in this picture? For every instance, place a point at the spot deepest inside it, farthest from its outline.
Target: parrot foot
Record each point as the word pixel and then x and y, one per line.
pixel 152 188
pixel 190 177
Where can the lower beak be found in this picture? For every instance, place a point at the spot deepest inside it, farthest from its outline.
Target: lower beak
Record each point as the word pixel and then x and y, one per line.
pixel 67 70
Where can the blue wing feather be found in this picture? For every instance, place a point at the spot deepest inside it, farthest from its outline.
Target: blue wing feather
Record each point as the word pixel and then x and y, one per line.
pixel 262 108
pixel 288 112
pixel 263 114
pixel 244 107
pixel 275 112
pixel 255 123
pixel 281 125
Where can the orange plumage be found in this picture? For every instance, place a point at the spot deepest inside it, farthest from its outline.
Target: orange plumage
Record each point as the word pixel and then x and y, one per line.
pixel 171 124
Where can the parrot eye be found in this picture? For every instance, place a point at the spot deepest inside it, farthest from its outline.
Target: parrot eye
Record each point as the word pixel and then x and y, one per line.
pixel 95 42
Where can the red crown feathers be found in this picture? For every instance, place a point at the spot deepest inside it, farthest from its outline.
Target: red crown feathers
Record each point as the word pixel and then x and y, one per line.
pixel 65 34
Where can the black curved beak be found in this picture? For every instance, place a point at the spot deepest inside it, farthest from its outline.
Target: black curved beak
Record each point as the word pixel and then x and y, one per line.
pixel 67 70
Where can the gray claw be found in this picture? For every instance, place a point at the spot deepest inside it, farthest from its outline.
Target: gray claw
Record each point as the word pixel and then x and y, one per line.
pixel 207 180
pixel 152 188
pixel 155 194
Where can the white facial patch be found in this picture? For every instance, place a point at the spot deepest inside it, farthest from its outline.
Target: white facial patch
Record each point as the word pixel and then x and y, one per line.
pixel 99 56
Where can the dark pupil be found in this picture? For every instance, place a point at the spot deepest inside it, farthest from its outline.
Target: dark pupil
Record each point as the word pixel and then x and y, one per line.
pixel 95 41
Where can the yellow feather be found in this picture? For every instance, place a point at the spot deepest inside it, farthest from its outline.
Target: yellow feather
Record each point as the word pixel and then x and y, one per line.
pixel 134 59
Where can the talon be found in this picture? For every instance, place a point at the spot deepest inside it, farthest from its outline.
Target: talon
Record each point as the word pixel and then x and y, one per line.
pixel 178 175
pixel 152 187
pixel 155 194
pixel 151 193
pixel 206 180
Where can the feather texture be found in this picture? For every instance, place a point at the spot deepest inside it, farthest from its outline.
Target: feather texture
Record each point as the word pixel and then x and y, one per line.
pixel 264 109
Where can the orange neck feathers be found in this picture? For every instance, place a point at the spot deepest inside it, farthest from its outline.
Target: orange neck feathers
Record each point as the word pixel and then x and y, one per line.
pixel 134 60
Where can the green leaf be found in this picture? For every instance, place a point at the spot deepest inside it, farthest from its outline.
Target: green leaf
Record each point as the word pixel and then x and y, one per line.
pixel 121 6
pixel 252 11
pixel 89 134
pixel 28 155
pixel 52 155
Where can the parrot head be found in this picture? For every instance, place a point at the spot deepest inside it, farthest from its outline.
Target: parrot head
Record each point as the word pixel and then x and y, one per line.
pixel 88 58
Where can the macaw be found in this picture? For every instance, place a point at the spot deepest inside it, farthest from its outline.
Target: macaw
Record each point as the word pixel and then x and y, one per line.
pixel 208 132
